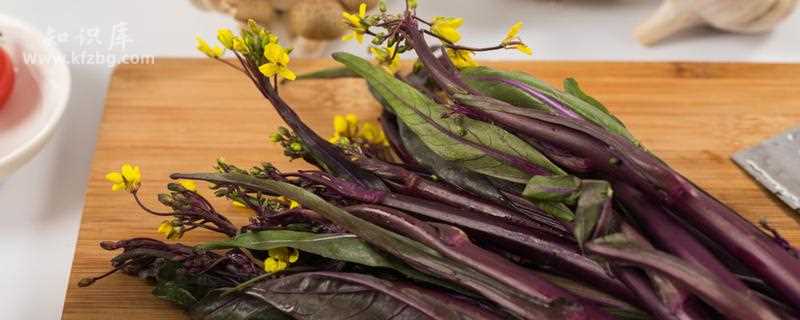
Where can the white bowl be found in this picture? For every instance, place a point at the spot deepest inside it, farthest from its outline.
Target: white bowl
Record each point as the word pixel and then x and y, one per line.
pixel 39 97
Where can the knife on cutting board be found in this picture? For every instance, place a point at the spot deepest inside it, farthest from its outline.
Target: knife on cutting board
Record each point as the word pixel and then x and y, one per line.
pixel 775 163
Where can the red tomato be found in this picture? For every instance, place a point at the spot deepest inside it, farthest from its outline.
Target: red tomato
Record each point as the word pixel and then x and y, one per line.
pixel 6 77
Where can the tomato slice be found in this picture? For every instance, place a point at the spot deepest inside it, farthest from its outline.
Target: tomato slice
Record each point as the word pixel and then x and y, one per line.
pixel 6 77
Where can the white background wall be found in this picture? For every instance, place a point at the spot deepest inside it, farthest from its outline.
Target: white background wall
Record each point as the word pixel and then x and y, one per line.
pixel 40 204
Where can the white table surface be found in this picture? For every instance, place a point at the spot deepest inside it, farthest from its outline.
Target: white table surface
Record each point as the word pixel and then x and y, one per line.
pixel 40 205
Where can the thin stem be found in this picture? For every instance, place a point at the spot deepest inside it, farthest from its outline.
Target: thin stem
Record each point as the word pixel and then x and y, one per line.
pixel 497 47
pixel 394 52
pixel 231 65
pixel 253 259
pixel 204 226
pixel 85 282
pixel 422 20
pixel 246 284
pixel 145 208
pixel 444 40
pixel 451 45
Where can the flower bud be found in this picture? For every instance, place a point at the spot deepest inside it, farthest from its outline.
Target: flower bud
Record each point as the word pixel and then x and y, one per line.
pixel 166 199
pixel 296 146
pixel 222 192
pixel 85 282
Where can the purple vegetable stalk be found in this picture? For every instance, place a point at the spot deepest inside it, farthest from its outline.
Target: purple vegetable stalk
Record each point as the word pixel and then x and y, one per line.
pixel 728 301
pixel 412 183
pixel 389 126
pixel 323 152
pixel 619 161
pixel 542 247
pixel 670 236
pixel 453 243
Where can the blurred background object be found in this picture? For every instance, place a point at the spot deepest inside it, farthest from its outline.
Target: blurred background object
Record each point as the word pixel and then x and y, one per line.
pixel 309 24
pixel 6 75
pixel 34 90
pixel 740 16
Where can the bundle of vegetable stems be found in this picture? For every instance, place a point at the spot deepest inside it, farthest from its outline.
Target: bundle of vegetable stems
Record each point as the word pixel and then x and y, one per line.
pixel 486 195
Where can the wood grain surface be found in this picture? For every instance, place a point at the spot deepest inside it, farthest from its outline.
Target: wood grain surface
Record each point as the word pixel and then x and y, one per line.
pixel 182 114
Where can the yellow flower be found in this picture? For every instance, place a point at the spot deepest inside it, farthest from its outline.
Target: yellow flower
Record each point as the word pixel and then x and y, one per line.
pixel 188 185
pixel 386 57
pixel 347 128
pixel 211 52
pixel 512 33
pixel 461 58
pixel 292 204
pixel 129 178
pixel 352 123
pixel 337 139
pixel 344 127
pixel 522 48
pixel 356 22
pixel 238 204
pixel 277 62
pixel 511 41
pixel 225 36
pixel 170 231
pixel 340 125
pixel 372 134
pixel 447 28
pixel 280 258
pixel 240 46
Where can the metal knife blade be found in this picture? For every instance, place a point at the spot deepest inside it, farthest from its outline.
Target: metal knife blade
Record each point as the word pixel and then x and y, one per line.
pixel 775 163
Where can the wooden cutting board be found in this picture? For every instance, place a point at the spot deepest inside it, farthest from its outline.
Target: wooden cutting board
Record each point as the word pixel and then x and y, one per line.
pixel 182 114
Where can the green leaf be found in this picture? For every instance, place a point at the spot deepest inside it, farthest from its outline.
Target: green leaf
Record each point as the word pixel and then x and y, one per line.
pixel 506 93
pixel 424 117
pixel 595 197
pixel 446 170
pixel 344 247
pixel 583 108
pixel 174 293
pixel 329 73
pixel 561 188
pixel 553 193
pixel 571 86
pixel 556 209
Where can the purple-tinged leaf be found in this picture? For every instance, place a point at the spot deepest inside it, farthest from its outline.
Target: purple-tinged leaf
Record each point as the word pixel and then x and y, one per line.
pixel 594 202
